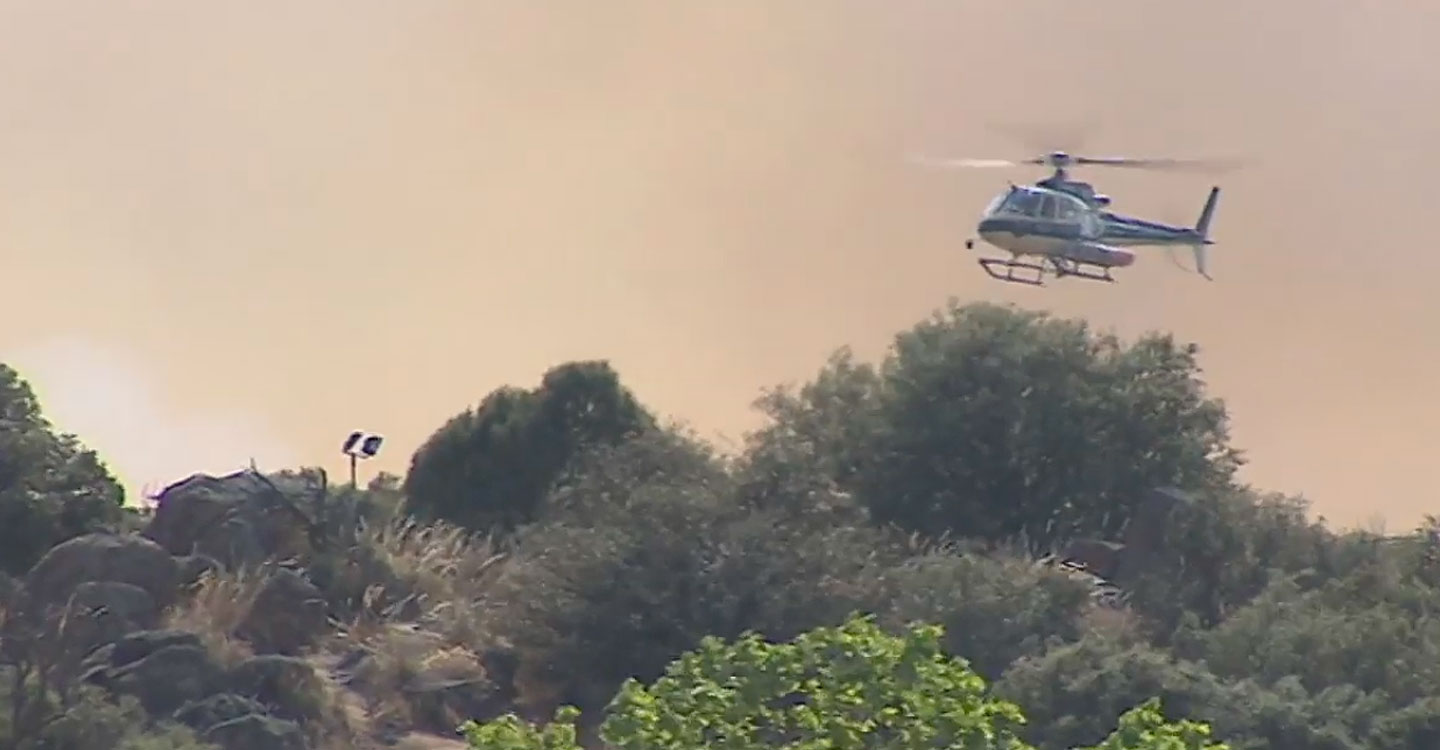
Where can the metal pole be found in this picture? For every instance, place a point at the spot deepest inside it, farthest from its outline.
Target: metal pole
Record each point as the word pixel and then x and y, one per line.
pixel 353 462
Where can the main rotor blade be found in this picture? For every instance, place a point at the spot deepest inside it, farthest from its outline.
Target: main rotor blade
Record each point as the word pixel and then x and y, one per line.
pixel 1064 160
pixel 1209 165
pixel 971 163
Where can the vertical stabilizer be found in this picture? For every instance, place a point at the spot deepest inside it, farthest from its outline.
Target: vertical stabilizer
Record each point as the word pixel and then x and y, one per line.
pixel 1202 229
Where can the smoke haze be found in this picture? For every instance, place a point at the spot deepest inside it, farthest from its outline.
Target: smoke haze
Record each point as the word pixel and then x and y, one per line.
pixel 111 402
pixel 310 218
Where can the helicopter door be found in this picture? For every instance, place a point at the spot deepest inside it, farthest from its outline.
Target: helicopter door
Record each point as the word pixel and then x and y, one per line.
pixel 1049 208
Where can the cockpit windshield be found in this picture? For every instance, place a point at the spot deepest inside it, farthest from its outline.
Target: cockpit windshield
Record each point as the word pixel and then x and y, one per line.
pixel 1037 204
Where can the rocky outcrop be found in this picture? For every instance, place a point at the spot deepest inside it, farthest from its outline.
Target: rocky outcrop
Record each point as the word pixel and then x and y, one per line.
pixel 164 670
pixel 256 732
pixel 93 610
pixel 289 686
pixel 94 558
pixel 212 616
pixel 114 610
pixel 217 709
pixel 84 594
pixel 289 614
pixel 235 722
pixel 238 520
pixel 261 703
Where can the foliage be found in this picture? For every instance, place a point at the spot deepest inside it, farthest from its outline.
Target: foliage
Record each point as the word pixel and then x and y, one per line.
pixel 1373 629
pixel 96 721
pixel 618 583
pixel 1145 727
pixel 995 423
pixel 51 487
pixel 490 467
pixel 562 547
pixel 995 608
pixel 1071 692
pixel 813 447
pixel 44 700
pixel 1219 551
pixel 851 686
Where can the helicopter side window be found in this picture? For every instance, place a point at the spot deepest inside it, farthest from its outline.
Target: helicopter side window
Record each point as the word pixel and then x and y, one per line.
pixel 1048 208
pixel 1023 202
pixel 1068 211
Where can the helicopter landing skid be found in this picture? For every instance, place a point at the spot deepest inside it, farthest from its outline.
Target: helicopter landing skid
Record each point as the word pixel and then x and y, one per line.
pixel 1011 266
pixel 1080 269
pixel 1059 267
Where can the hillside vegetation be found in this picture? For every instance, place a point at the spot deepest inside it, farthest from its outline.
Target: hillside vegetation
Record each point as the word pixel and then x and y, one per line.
pixel 1045 516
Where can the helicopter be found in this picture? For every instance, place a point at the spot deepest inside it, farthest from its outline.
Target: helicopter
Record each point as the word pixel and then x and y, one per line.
pixel 1068 227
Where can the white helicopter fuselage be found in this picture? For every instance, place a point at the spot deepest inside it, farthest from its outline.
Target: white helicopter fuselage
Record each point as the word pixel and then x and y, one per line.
pixel 1068 232
pixel 1036 221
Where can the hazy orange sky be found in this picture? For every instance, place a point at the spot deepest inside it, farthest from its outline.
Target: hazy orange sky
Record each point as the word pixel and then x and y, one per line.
pixel 243 229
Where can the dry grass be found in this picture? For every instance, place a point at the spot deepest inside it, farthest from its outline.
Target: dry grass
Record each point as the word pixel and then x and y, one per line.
pixel 336 727
pixel 417 596
pixel 402 660
pixel 216 609
pixel 420 619
pixel 439 572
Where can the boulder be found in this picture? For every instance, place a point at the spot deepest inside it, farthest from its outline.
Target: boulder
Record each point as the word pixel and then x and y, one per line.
pixel 219 708
pixel 256 732
pixel 120 558
pixel 114 610
pixel 194 567
pixel 136 646
pixel 288 686
pixel 239 520
pixel 289 614
pixel 167 678
pixel 132 648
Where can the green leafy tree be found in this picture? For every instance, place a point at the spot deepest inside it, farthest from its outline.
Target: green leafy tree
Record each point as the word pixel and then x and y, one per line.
pixel 991 422
pixel 995 608
pixel 1374 630
pixel 850 687
pixel 489 468
pixel 1217 553
pixel 1146 728
pixel 1069 692
pixel 646 551
pixel 51 487
pixel 812 450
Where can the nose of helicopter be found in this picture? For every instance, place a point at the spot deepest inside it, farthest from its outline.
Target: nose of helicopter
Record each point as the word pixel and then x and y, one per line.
pixel 991 225
pixel 991 230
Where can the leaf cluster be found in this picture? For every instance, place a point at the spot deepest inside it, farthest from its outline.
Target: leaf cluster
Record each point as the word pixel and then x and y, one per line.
pixel 848 687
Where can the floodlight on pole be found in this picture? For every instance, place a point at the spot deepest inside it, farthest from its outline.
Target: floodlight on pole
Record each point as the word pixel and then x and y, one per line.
pixel 358 445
